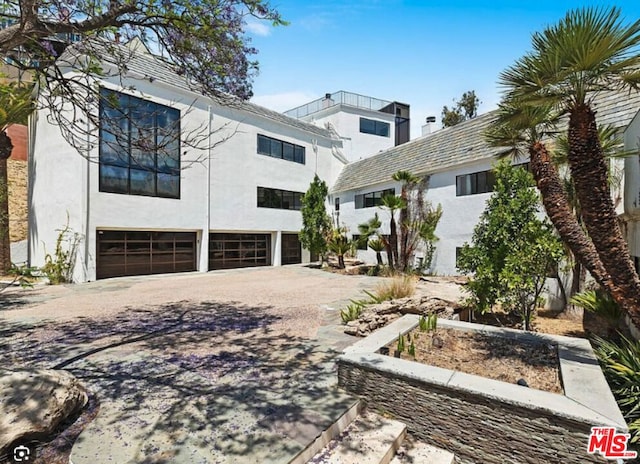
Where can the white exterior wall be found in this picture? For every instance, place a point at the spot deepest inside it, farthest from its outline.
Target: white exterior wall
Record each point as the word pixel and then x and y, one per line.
pixel 631 198
pixel 346 120
pixel 222 200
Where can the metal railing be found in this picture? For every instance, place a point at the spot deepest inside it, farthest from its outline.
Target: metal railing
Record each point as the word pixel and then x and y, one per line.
pixel 338 98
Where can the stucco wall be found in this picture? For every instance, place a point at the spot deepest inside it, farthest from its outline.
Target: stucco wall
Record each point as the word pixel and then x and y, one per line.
pixel 218 188
pixel 346 120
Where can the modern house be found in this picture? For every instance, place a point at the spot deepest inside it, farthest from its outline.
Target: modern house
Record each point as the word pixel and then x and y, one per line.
pixel 458 163
pixel 143 199
pixel 175 181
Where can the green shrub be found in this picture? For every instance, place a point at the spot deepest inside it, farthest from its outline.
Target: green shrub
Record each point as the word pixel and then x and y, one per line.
pixel 412 349
pixel 621 366
pixel 59 267
pixel 401 343
pixel 352 311
pixel 600 303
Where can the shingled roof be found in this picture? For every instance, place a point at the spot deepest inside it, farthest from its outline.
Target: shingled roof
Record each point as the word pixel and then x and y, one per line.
pixel 138 60
pixel 461 144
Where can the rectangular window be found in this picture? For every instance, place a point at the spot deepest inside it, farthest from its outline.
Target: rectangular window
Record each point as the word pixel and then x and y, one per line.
pixel 371 126
pixel 480 182
pixel 337 203
pixel 371 199
pixel 279 199
pixel 280 149
pixel 360 241
pixel 139 146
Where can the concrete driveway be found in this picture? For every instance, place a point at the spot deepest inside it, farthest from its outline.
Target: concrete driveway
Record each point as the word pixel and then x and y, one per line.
pixel 225 367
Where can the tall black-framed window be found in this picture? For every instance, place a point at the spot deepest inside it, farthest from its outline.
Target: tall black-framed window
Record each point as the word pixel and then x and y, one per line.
pixel 280 149
pixel 371 126
pixel 279 199
pixel 368 200
pixel 139 146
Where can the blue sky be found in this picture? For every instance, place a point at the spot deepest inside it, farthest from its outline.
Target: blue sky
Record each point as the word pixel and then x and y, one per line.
pixel 424 53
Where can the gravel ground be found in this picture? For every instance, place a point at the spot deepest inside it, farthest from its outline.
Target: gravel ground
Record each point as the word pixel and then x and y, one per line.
pixel 299 295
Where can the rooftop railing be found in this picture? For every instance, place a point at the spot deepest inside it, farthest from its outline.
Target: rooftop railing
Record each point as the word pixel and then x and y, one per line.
pixel 338 98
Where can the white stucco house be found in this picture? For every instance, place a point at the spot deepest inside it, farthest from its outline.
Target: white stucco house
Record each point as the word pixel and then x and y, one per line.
pixel 143 201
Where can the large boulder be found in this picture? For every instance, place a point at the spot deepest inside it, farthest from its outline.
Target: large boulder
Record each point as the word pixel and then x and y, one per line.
pixel 34 403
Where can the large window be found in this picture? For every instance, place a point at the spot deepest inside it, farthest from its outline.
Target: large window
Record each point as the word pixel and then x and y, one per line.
pixel 279 199
pixel 371 126
pixel 367 200
pixel 279 149
pixel 139 146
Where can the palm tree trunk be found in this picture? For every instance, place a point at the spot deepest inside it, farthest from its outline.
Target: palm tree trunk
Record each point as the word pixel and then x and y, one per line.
pixel 590 174
pixel 5 243
pixel 557 207
pixel 379 258
pixel 393 242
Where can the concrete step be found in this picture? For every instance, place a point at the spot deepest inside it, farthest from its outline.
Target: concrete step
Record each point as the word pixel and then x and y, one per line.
pixel 416 452
pixel 370 439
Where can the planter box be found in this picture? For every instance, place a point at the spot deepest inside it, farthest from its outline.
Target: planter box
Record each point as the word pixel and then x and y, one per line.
pixel 485 421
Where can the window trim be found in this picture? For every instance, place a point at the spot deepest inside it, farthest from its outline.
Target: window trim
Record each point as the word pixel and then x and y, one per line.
pixel 378 127
pixel 129 165
pixel 475 184
pixel 375 197
pixel 295 199
pixel 298 152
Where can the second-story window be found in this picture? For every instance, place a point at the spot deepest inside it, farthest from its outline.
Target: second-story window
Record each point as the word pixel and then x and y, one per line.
pixel 371 126
pixel 280 149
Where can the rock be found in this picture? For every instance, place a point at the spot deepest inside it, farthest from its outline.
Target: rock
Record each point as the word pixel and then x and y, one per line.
pixel 34 403
pixel 387 307
pixel 354 323
pixel 351 330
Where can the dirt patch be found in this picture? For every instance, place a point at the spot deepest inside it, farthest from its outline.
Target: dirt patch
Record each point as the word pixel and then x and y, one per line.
pixel 492 357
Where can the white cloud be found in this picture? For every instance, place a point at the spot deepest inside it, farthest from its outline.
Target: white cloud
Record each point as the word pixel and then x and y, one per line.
pixel 257 28
pixel 284 101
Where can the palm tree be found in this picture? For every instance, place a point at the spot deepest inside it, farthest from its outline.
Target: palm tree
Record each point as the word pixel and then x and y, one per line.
pixel 408 180
pixel 393 204
pixel 586 53
pixel 15 105
pixel 377 245
pixel 521 126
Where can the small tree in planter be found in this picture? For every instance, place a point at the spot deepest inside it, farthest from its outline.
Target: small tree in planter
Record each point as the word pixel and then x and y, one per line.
pixel 512 249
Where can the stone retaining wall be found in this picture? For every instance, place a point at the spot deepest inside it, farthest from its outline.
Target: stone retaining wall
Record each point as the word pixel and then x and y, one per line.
pixel 476 430
pixel 484 421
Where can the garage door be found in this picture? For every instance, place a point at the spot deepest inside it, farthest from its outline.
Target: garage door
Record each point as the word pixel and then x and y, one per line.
pixel 229 251
pixel 291 249
pixel 126 253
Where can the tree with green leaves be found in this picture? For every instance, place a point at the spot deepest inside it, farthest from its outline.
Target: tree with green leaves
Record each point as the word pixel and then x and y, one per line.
pixel 316 223
pixel 589 52
pixel 463 109
pixel 15 105
pixel 512 249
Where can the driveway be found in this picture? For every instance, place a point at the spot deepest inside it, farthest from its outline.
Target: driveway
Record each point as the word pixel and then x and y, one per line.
pixel 224 367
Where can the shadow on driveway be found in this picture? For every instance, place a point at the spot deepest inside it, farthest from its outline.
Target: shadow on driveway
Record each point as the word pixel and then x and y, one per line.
pixel 186 382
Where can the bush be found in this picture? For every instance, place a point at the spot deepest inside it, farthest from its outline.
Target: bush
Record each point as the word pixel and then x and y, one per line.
pixel 352 311
pixel 396 288
pixel 601 303
pixel 621 366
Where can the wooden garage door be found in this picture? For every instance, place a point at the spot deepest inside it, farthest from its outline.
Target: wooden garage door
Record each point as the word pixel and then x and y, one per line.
pixel 125 253
pixel 229 251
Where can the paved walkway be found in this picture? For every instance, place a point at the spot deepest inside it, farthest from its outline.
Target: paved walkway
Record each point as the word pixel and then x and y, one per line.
pixel 225 367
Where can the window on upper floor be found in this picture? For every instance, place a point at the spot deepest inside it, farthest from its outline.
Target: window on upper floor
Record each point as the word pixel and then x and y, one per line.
pixel 139 146
pixel 368 200
pixel 280 149
pixel 371 126
pixel 279 199
pixel 479 182
pixel 337 204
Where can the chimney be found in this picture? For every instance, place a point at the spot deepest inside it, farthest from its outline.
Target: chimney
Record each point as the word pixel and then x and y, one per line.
pixel 428 127
pixel 327 102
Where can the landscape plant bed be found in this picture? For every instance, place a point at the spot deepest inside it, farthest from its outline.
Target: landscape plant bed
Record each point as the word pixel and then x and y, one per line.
pixel 493 357
pixel 480 419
